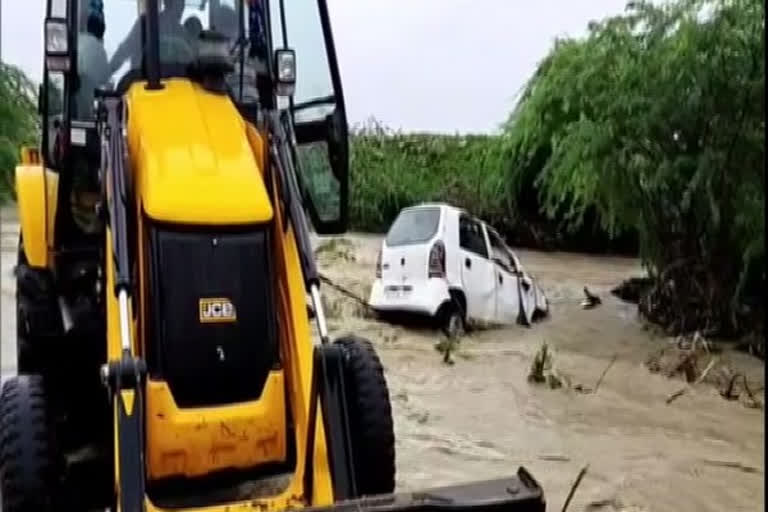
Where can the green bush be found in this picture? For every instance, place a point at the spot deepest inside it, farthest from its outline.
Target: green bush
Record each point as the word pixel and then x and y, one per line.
pixel 18 122
pixel 391 170
pixel 655 123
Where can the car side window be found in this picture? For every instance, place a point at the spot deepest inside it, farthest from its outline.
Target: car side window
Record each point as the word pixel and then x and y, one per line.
pixel 500 254
pixel 471 236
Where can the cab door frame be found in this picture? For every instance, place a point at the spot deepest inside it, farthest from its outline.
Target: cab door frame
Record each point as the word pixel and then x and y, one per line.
pixel 332 129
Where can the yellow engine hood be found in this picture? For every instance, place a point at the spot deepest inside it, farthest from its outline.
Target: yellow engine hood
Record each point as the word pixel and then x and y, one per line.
pixel 191 157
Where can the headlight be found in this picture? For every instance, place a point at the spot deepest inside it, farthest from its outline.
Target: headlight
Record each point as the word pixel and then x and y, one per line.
pixel 57 44
pixel 285 71
pixel 56 40
pixel 286 66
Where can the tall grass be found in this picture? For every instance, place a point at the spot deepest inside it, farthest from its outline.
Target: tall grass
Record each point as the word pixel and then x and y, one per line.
pixel 391 170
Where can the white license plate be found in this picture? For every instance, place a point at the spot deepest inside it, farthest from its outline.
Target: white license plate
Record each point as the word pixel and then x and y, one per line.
pixel 396 293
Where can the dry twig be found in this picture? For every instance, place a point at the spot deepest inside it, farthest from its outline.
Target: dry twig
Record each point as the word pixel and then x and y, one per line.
pixel 602 376
pixel 574 486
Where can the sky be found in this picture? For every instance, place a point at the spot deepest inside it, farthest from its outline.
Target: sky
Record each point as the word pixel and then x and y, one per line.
pixel 417 65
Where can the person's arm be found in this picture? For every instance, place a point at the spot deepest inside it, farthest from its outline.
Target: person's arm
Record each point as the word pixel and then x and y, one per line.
pixel 131 46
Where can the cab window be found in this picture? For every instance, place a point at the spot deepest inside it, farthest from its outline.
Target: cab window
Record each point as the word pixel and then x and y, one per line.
pixel 317 109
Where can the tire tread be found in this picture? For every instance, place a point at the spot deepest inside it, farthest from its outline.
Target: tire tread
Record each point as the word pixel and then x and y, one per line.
pixel 370 416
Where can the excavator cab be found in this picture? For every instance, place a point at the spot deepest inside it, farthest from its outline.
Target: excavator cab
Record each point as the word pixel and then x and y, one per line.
pixel 165 357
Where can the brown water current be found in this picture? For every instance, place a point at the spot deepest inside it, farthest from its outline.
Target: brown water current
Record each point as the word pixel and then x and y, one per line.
pixel 480 418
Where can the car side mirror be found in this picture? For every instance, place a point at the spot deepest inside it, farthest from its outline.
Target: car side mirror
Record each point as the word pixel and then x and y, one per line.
pixel 57 56
pixel 285 72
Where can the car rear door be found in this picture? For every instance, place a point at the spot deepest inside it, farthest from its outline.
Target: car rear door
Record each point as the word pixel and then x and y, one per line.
pixel 477 272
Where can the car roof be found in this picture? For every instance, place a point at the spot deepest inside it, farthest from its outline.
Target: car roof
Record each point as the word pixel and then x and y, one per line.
pixel 443 206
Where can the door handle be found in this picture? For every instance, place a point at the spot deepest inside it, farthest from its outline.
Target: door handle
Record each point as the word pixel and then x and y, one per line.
pixel 468 263
pixel 501 279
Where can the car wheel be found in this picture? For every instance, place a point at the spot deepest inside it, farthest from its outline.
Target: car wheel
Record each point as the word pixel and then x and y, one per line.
pixel 37 317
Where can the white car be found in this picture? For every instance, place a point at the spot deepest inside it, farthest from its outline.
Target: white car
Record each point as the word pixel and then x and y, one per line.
pixel 440 261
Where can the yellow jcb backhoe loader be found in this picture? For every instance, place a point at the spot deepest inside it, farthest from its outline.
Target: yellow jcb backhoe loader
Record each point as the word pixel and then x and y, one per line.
pixel 165 355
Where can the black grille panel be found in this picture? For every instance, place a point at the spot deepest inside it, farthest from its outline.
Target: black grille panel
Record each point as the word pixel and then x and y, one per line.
pixel 205 358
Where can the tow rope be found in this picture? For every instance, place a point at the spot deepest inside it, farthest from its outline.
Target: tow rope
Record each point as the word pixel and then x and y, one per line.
pixel 344 291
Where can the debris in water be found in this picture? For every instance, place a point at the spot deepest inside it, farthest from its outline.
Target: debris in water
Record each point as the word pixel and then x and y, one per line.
pixel 731 465
pixel 591 300
pixel 574 486
pixel 446 346
pixel 613 505
pixel 554 458
pixel 390 338
pixel 683 358
pixel 633 289
pixel 401 396
pixel 337 249
pixel 419 417
pixel 602 375
pixel 542 364
pixel 703 375
pixel 543 371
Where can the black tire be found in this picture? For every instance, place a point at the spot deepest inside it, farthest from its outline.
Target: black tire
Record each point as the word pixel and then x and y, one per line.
pixel 23 354
pixel 27 455
pixel 36 314
pixel 370 417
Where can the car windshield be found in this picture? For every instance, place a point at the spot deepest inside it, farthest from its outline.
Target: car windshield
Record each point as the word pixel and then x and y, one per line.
pixel 414 226
pixel 110 40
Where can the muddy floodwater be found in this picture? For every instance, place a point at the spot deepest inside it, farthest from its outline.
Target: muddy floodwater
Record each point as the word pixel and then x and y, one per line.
pixel 480 418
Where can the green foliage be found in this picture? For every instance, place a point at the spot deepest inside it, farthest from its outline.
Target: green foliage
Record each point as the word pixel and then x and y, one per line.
pixel 655 122
pixel 391 170
pixel 18 122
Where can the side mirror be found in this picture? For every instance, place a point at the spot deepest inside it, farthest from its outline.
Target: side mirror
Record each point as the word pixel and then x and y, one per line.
pixel 285 72
pixel 57 55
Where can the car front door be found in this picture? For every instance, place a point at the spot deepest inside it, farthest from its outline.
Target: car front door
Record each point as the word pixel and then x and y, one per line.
pixel 477 272
pixel 527 289
pixel 507 291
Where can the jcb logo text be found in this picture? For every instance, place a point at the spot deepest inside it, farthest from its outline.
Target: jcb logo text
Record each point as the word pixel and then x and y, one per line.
pixel 217 310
